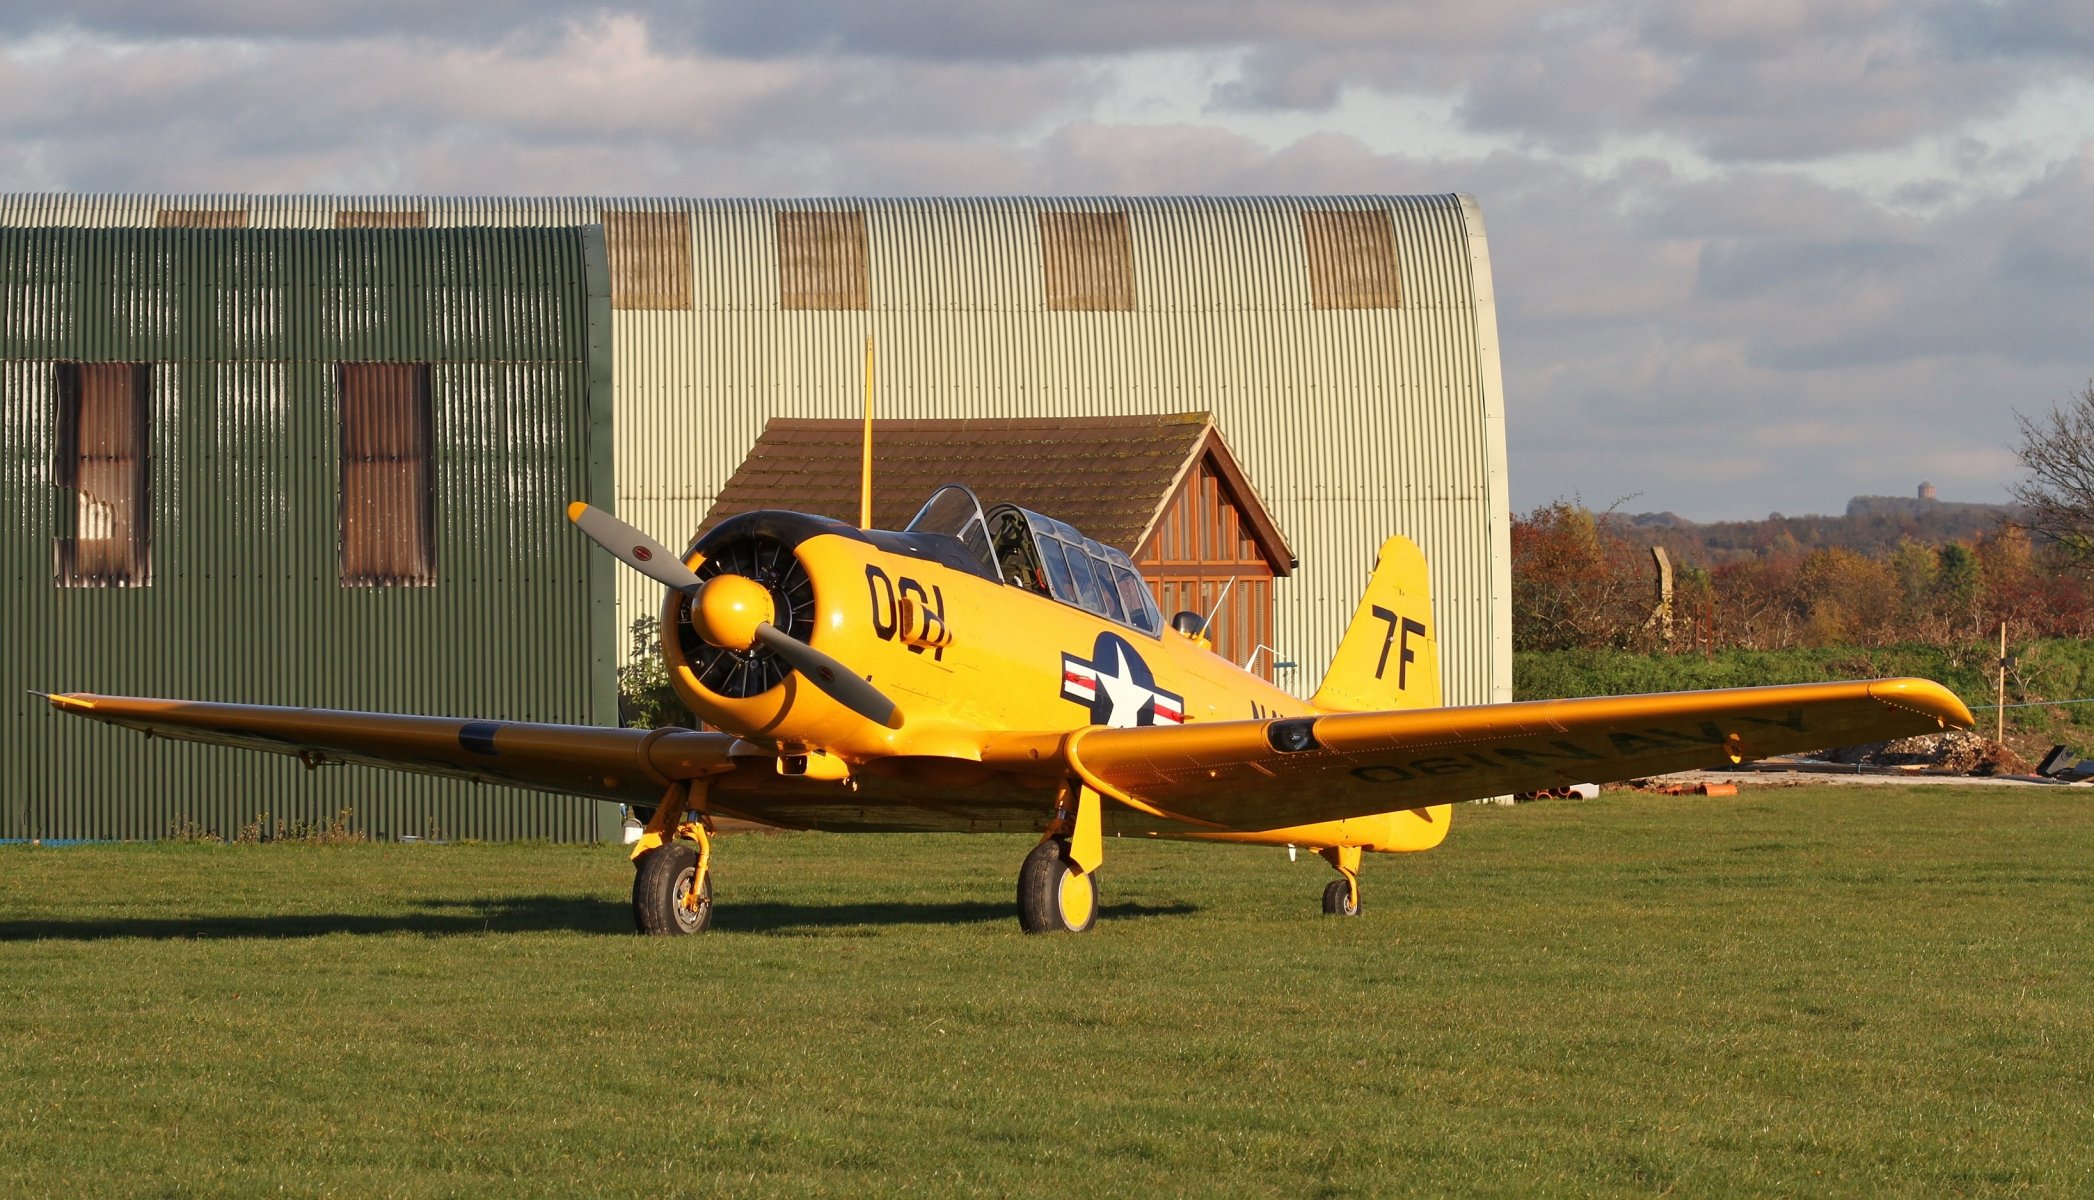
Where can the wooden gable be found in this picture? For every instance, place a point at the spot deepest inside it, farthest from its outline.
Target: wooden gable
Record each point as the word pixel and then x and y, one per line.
pixel 1213 544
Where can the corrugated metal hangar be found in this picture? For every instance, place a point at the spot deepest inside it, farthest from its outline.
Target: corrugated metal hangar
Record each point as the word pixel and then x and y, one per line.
pixel 1346 346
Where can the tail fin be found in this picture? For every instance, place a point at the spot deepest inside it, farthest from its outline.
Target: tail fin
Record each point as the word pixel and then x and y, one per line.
pixel 1388 658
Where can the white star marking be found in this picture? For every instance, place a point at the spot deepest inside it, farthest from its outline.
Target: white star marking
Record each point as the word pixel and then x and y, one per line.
pixel 1124 694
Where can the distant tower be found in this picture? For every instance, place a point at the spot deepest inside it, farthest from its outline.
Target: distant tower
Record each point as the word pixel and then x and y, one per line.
pixel 1927 493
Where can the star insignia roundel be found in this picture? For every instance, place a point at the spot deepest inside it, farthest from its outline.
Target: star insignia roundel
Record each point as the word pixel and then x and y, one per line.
pixel 1118 687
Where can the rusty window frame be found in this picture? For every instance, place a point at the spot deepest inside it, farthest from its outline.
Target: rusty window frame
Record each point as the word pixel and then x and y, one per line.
pixel 1352 259
pixel 823 261
pixel 650 255
pixel 102 467
pixel 1087 261
pixel 387 506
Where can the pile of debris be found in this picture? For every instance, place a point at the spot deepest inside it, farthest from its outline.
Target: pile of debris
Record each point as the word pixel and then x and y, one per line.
pixel 1954 752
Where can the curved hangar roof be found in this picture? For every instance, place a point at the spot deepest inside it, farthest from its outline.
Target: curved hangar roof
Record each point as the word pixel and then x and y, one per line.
pixel 1347 343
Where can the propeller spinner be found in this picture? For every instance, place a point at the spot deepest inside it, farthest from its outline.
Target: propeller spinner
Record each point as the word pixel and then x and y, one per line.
pixel 734 612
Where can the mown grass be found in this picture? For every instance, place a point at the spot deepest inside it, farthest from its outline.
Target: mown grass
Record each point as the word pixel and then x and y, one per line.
pixel 1807 991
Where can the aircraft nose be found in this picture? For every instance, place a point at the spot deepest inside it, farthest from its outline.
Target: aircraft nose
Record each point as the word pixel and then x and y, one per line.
pixel 728 610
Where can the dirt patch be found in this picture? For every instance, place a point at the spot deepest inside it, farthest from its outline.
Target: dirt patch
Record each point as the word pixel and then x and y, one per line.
pixel 1954 752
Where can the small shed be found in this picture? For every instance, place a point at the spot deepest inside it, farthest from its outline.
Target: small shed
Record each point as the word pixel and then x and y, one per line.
pixel 1165 489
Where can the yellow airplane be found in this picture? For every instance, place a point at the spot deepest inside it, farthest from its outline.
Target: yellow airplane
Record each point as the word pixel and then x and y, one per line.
pixel 999 672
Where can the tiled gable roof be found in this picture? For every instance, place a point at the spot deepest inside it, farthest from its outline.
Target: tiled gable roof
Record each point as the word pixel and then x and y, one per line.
pixel 1107 476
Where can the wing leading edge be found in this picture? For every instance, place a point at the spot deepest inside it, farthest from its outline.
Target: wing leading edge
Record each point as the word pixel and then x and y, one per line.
pixel 628 765
pixel 1220 775
pixel 1236 774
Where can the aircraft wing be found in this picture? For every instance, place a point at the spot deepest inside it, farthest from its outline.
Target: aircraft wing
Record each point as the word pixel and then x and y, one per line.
pixel 628 765
pixel 1243 775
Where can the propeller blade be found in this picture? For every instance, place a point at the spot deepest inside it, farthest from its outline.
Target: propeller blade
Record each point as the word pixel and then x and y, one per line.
pixel 840 682
pixel 633 548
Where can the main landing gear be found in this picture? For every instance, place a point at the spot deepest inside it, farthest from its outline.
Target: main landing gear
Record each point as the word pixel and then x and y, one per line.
pixel 1342 897
pixel 672 892
pixel 1053 895
pixel 672 876
pixel 1058 884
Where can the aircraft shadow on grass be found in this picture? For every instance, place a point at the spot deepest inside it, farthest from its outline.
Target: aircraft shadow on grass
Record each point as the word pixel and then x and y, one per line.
pixel 524 914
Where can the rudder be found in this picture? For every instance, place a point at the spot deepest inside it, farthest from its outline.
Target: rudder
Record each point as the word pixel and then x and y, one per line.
pixel 1388 657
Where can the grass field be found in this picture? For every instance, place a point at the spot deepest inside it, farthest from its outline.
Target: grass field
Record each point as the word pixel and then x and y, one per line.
pixel 1800 991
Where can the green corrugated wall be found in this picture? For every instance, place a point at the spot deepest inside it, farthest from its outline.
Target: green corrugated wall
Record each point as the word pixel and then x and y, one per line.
pixel 243 329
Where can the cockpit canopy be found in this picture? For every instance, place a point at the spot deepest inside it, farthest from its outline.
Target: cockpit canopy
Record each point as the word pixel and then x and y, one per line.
pixel 1040 554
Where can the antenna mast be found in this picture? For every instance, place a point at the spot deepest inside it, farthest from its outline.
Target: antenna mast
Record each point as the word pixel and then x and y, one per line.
pixel 865 478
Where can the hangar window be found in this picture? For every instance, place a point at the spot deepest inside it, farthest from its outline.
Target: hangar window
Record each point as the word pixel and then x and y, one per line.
pixel 102 468
pixel 201 218
pixel 822 261
pixel 1087 259
pixel 1352 259
pixel 650 255
pixel 388 481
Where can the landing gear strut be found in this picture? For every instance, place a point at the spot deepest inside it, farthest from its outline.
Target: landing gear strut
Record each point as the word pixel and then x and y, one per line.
pixel 1342 897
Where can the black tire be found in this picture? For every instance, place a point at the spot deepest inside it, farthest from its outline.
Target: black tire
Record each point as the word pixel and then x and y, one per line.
pixel 662 883
pixel 1052 896
pixel 1338 900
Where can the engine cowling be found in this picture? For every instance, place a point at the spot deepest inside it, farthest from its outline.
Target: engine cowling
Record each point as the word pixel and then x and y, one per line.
pixel 751 557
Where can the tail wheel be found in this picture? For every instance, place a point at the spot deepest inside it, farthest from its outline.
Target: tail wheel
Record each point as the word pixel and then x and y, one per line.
pixel 669 893
pixel 1053 896
pixel 1339 900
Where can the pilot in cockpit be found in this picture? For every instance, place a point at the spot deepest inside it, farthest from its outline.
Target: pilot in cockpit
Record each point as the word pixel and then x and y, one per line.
pixel 1015 557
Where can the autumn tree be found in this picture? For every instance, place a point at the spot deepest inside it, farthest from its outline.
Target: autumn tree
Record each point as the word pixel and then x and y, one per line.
pixel 2057 498
pixel 1576 583
pixel 1847 598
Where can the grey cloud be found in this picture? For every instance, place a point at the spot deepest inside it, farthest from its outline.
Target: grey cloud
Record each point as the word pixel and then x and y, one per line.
pixel 218 119
pixel 1734 270
pixel 1829 96
pixel 128 20
pixel 2056 29
pixel 1785 81
pixel 1008 30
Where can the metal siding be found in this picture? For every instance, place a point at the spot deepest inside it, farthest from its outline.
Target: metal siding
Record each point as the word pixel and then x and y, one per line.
pixel 243 329
pixel 1353 424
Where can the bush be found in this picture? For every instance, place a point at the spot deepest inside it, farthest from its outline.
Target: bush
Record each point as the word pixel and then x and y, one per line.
pixel 2054 669
pixel 645 699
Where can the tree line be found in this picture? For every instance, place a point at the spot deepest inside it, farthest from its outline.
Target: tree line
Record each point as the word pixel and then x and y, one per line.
pixel 1579 582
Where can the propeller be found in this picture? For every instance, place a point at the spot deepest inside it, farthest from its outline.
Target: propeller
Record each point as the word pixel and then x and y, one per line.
pixel 734 612
pixel 839 682
pixel 633 548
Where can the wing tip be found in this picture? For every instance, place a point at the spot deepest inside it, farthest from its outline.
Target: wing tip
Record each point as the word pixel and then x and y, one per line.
pixel 1925 696
pixel 76 702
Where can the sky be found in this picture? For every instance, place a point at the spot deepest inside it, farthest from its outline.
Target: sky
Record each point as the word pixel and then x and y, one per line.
pixel 1748 256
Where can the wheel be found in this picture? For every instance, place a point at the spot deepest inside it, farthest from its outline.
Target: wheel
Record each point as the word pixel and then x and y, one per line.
pixel 1052 896
pixel 1339 901
pixel 663 899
